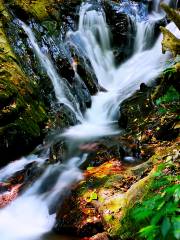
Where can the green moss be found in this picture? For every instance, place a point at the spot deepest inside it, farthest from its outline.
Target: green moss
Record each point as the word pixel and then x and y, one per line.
pixel 36 8
pixel 31 120
pixel 50 26
pixel 98 182
pixel 22 112
pixel 169 102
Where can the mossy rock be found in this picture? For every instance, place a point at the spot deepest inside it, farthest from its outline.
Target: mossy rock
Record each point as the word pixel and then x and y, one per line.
pixel 37 9
pixel 41 10
pixel 22 113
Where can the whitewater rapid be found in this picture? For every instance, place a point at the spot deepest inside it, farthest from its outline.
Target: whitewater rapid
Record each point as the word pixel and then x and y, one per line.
pixel 120 82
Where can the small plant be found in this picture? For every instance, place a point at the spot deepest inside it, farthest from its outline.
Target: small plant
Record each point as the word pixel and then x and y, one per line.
pixel 169 71
pixel 168 102
pixel 171 96
pixel 159 214
pixel 92 196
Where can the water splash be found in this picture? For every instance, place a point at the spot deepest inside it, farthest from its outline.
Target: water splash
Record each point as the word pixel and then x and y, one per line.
pixel 25 218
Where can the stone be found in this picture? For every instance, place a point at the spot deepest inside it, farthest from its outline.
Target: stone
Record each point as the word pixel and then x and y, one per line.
pixel 99 236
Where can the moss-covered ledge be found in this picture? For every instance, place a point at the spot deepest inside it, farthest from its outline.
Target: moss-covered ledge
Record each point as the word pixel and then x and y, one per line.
pixel 22 113
pixel 41 10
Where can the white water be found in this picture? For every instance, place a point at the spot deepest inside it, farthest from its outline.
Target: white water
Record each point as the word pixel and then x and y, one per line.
pixel 27 218
pixel 121 82
pixel 145 28
pixel 156 5
pixel 58 84
pixel 19 165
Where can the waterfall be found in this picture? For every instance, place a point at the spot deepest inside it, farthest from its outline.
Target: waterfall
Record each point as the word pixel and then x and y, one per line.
pixel 93 34
pixel 145 27
pixel 156 5
pixel 28 217
pixel 120 82
pixel 58 84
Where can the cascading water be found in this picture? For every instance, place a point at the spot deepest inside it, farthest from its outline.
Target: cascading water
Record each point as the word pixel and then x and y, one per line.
pixel 18 165
pixel 121 82
pixel 156 5
pixel 58 84
pixel 28 217
pixel 145 27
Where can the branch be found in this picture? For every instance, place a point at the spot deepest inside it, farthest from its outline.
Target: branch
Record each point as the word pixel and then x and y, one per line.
pixel 172 14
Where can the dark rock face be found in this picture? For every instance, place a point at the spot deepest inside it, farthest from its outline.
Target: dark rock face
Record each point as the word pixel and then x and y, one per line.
pixel 50 28
pixel 122 31
pixel 62 118
pixel 50 34
pixel 20 135
pixel 137 106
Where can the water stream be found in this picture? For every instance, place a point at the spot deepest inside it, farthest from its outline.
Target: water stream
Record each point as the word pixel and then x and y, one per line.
pixel 28 217
pixel 58 84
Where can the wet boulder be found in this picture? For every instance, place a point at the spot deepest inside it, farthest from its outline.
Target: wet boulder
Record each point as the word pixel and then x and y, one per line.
pixel 122 30
pixel 77 85
pixel 62 117
pixel 136 107
pixel 81 65
pixel 86 73
pixel 103 151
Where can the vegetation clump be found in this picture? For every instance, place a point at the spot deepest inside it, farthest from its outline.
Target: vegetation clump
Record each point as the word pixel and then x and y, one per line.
pixel 156 215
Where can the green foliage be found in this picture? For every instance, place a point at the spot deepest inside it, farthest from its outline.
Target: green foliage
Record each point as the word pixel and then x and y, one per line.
pixel 171 96
pixel 158 215
pixel 162 111
pixel 168 102
pixel 51 26
pixel 169 71
pixel 93 196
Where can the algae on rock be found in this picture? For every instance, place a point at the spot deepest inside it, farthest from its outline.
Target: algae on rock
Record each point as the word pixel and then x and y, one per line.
pixel 22 113
pixel 37 9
